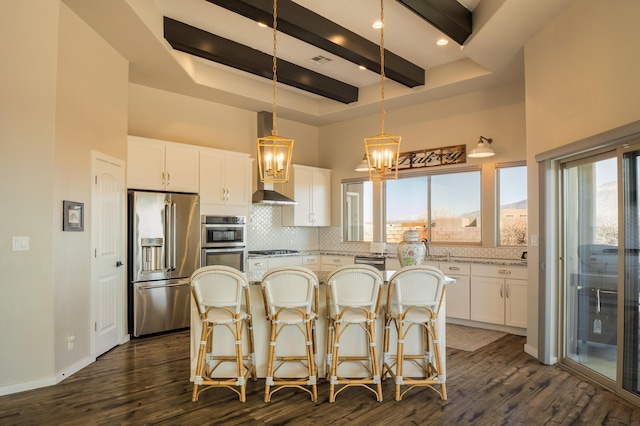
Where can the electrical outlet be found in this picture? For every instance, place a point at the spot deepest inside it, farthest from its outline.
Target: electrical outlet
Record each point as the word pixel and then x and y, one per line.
pixel 70 339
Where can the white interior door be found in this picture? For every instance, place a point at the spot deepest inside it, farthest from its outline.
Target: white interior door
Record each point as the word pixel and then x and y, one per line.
pixel 108 289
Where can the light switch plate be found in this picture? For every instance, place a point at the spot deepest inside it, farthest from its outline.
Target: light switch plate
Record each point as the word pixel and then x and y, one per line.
pixel 20 243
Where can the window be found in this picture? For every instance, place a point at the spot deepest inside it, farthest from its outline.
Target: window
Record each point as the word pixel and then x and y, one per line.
pixel 512 205
pixel 442 207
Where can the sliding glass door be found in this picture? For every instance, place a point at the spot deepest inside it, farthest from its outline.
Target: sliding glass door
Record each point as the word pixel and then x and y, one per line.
pixel 601 274
pixel 591 263
pixel 631 321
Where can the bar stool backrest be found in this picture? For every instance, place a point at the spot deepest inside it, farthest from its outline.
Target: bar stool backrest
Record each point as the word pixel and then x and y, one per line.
pixel 219 286
pixel 289 287
pixel 419 285
pixel 353 286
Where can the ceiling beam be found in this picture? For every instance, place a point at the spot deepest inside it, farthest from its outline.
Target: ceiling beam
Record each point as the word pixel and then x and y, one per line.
pixel 318 31
pixel 209 46
pixel 448 16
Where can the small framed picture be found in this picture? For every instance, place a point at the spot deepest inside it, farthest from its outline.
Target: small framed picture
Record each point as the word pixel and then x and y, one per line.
pixel 72 216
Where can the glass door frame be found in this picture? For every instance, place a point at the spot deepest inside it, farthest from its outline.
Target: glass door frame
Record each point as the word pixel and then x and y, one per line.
pixel 619 153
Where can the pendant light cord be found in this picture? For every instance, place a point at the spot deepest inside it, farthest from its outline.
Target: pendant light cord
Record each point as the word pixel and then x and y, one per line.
pixel 274 130
pixel 382 112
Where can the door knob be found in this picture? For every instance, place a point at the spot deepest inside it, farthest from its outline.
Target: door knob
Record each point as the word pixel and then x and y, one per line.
pixel 119 264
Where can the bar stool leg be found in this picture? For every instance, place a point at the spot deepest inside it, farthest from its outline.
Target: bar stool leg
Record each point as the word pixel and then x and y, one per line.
pixel 375 366
pixel 204 335
pixel 239 360
pixel 311 358
pixel 335 343
pixel 270 362
pixel 436 349
pixel 400 358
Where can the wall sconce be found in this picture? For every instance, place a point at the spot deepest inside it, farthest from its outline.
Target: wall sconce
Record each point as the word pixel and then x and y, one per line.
pixel 483 149
pixel 363 166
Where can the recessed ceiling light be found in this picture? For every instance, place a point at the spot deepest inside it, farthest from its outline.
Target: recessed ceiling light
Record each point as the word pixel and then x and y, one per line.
pixel 362 67
pixel 262 25
pixel 377 25
pixel 442 42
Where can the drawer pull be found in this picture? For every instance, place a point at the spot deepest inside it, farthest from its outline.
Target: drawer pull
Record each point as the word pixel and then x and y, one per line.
pixel 258 264
pixel 454 268
pixel 310 260
pixel 504 271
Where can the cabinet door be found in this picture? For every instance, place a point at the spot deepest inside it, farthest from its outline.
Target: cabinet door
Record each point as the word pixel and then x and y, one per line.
pixel 321 198
pixel 458 298
pixel 516 303
pixel 275 262
pixel 182 168
pixel 212 188
pixel 237 179
pixel 487 300
pixel 145 164
pixel 303 190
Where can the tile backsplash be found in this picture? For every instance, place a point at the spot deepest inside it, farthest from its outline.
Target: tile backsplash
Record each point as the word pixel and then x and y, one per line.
pixel 265 231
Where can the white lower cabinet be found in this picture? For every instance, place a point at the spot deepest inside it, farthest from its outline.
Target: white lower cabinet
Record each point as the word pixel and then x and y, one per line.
pixel 499 295
pixel 329 263
pixel 458 295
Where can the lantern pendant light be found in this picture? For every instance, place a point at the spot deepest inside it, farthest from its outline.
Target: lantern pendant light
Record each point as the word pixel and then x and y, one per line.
pixel 383 150
pixel 274 152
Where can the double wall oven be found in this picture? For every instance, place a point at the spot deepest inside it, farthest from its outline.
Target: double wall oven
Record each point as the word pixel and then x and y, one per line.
pixel 224 241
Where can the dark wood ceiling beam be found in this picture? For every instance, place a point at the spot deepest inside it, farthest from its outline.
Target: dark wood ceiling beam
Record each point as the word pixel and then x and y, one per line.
pixel 318 31
pixel 209 46
pixel 448 16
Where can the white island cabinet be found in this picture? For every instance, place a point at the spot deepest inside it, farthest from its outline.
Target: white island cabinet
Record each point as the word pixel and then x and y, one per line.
pixel 162 166
pixel 310 187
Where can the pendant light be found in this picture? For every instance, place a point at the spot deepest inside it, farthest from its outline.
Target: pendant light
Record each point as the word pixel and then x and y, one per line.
pixel 274 152
pixel 483 149
pixel 383 150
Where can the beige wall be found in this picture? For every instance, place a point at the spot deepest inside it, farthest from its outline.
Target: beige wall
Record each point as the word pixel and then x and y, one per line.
pixel 496 113
pixel 27 120
pixel 581 80
pixel 64 93
pixel 91 113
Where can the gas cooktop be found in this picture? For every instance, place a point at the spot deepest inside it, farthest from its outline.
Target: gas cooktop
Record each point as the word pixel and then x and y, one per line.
pixel 272 252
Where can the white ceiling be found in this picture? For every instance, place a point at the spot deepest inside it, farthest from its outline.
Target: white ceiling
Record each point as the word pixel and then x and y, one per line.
pixel 492 55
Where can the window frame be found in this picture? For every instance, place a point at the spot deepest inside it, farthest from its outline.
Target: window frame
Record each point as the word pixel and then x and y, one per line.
pixel 497 208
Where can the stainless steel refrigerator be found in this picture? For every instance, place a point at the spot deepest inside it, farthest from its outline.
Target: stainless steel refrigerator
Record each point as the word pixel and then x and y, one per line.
pixel 164 250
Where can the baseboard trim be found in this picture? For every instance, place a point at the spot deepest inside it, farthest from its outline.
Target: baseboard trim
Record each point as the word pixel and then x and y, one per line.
pixel 49 381
pixel 528 349
pixel 74 368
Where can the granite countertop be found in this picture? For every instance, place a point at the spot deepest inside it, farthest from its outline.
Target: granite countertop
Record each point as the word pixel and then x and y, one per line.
pixel 433 258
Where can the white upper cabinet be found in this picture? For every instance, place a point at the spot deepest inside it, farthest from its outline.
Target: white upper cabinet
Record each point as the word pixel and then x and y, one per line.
pixel 225 178
pixel 311 188
pixel 162 166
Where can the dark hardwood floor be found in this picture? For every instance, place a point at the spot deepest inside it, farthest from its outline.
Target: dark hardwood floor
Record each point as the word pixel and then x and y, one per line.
pixel 146 382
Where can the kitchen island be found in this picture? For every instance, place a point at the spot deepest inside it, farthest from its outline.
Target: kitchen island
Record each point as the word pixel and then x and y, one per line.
pixel 290 338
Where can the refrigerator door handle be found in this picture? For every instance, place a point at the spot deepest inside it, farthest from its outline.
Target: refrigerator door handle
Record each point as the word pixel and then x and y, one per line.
pixel 167 235
pixel 174 231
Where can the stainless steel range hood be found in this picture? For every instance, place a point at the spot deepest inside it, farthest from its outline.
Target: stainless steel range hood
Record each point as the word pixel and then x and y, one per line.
pixel 265 193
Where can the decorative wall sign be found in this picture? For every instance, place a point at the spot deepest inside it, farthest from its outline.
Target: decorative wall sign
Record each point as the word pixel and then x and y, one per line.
pixel 72 216
pixel 432 157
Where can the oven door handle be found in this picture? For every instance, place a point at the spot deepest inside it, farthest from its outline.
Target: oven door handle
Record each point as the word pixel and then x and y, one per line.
pixel 223 249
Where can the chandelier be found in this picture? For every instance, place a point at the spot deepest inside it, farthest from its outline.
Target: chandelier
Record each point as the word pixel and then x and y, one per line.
pixel 274 152
pixel 383 150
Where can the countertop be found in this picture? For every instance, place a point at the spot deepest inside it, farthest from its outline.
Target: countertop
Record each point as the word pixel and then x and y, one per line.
pixel 433 258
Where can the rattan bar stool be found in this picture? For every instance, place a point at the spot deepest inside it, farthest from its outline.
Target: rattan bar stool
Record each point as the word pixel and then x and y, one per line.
pixel 291 301
pixel 414 298
pixel 221 294
pixel 353 299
